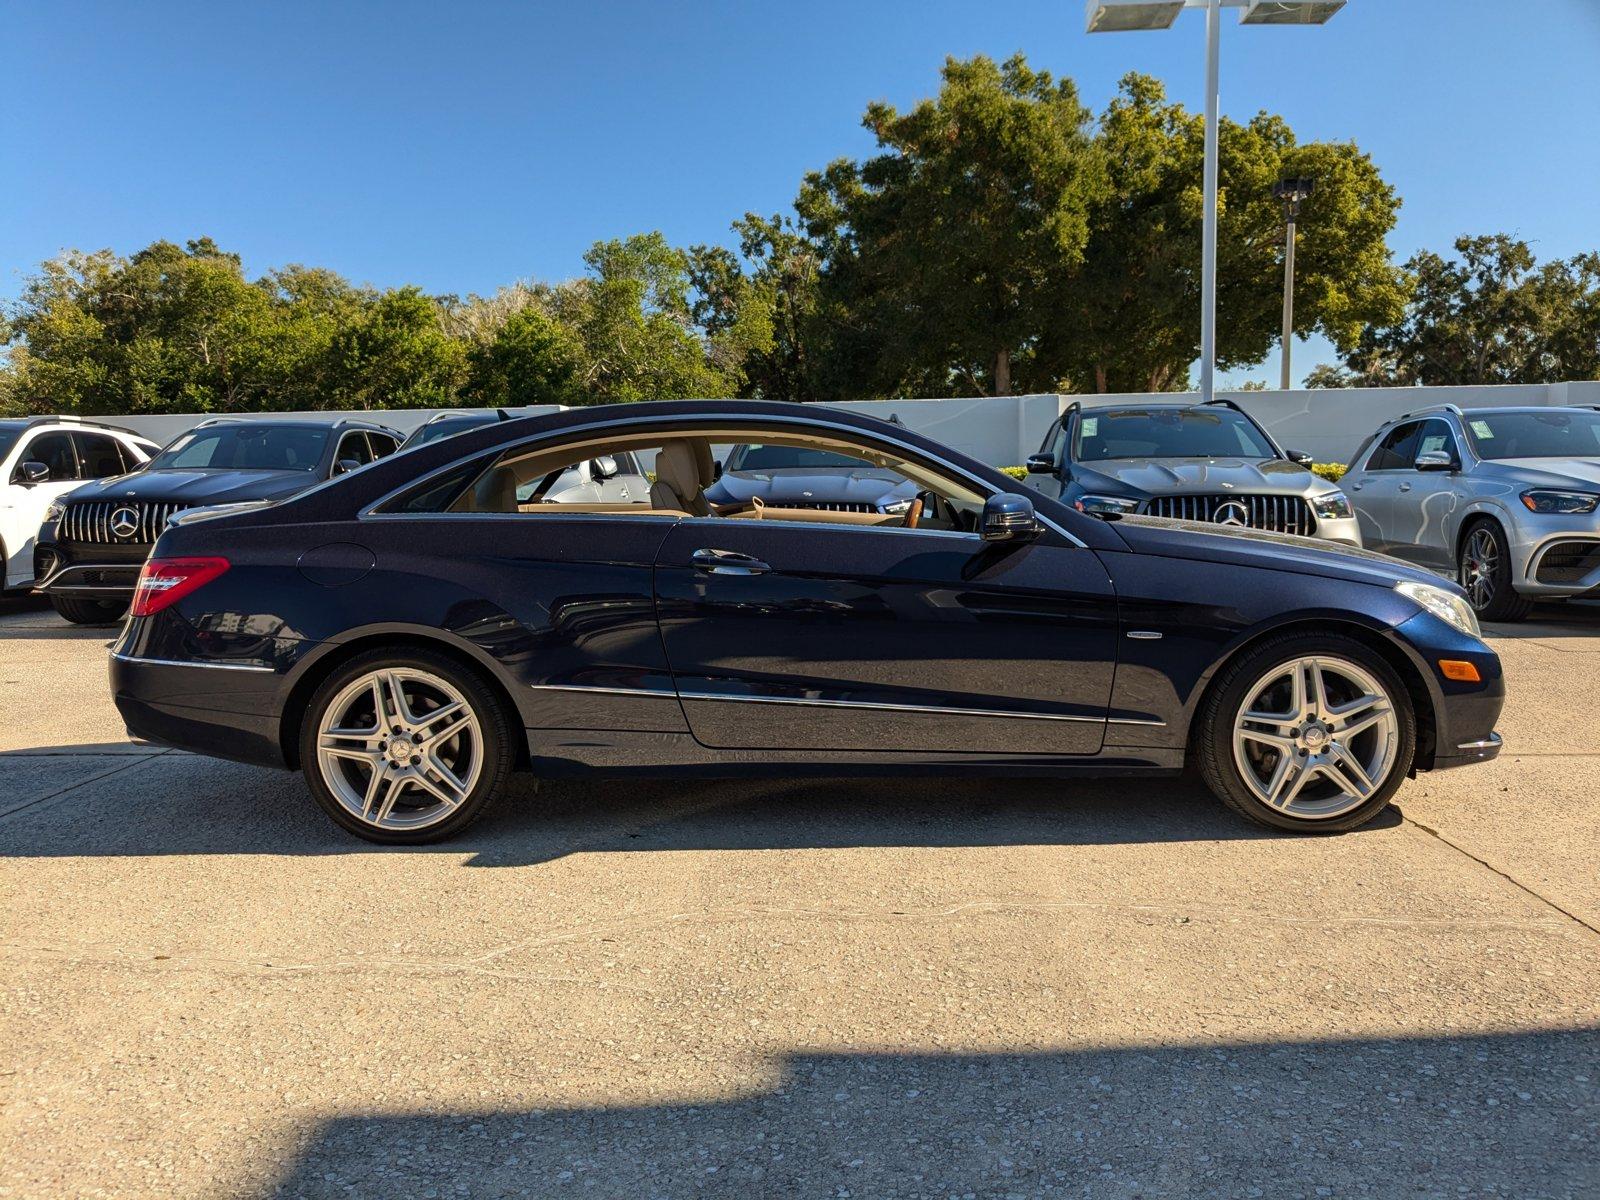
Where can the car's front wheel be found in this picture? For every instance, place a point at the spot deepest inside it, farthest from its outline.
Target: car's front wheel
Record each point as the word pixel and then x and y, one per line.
pixel 89 612
pixel 405 747
pixel 1484 571
pixel 1308 732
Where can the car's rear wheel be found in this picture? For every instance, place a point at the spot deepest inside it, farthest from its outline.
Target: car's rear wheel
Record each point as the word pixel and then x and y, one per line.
pixel 1308 732
pixel 405 747
pixel 89 612
pixel 1484 571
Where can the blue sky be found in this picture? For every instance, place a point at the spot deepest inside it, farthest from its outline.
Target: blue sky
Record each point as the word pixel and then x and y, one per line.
pixel 463 146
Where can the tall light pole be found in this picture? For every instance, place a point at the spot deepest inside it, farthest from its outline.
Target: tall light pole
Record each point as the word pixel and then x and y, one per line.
pixel 1290 192
pixel 1115 16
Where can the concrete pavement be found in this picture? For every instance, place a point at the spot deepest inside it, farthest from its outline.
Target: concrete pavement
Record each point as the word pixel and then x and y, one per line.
pixel 788 988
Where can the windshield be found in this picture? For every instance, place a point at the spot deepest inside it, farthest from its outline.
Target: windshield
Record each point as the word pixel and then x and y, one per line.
pixel 1169 433
pixel 246 448
pixel 780 458
pixel 1553 434
pixel 434 430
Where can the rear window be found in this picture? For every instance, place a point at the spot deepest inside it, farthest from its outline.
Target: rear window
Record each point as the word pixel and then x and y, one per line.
pixel 1169 433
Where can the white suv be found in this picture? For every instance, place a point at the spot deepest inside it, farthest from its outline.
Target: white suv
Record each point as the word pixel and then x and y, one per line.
pixel 41 460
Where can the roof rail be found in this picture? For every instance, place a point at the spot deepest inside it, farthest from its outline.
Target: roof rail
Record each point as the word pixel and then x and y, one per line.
pixel 1224 402
pixel 1454 409
pixel 31 422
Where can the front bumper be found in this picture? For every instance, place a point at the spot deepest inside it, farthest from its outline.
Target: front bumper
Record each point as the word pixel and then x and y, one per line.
pixel 83 574
pixel 1560 562
pixel 1344 530
pixel 1464 714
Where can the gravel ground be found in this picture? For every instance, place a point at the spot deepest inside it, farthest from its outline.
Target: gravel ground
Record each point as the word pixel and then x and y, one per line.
pixel 795 989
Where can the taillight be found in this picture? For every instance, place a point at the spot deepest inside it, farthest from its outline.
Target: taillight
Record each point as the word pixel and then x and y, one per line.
pixel 165 581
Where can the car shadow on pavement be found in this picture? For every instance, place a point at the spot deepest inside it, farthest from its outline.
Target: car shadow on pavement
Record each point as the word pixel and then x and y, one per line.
pixel 1508 1115
pixel 181 804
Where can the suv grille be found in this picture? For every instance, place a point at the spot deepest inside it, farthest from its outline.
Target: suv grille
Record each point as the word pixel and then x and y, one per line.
pixel 1568 561
pixel 1276 514
pixel 829 506
pixel 92 521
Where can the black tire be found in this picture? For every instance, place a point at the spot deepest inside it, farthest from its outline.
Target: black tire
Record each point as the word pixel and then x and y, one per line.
pixel 493 727
pixel 89 612
pixel 1498 599
pixel 1213 743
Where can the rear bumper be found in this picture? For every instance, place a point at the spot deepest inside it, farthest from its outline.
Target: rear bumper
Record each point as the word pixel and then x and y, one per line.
pixel 224 710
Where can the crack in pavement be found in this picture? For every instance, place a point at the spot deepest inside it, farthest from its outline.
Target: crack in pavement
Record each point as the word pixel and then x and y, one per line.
pixel 132 760
pixel 1509 878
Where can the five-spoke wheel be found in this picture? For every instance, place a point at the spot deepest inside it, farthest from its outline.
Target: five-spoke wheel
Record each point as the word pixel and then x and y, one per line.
pixel 1307 731
pixel 404 748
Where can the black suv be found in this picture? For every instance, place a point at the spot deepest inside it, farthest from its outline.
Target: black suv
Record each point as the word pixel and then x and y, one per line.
pixel 95 539
pixel 1206 463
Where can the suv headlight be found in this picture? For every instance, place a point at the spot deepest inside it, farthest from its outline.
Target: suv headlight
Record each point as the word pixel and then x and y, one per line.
pixel 1444 604
pixel 1332 506
pixel 1101 505
pixel 1542 500
pixel 53 513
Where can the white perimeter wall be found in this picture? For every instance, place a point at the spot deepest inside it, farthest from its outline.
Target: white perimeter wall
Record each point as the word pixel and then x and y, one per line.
pixel 1003 430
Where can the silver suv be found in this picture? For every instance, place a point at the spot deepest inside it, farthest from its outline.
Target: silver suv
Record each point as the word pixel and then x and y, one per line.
pixel 1504 498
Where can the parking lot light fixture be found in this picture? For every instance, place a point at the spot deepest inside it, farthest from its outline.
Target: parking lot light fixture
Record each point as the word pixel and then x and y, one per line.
pixel 1119 16
pixel 1290 193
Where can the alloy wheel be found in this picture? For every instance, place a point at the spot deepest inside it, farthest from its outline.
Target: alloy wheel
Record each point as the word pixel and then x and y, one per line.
pixel 400 748
pixel 1479 562
pixel 1316 737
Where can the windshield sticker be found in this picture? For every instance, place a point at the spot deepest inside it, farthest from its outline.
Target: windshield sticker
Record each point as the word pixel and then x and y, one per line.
pixel 1091 426
pixel 1481 429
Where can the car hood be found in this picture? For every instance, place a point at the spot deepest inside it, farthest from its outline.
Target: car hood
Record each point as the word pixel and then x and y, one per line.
pixel 1551 472
pixel 1270 551
pixel 198 487
pixel 1184 476
pixel 827 485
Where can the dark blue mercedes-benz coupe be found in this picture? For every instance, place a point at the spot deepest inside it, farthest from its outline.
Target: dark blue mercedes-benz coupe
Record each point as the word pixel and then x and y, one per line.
pixel 409 634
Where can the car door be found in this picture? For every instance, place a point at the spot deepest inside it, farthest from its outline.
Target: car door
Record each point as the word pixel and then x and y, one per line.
pixel 1424 502
pixel 1054 445
pixel 788 635
pixel 1377 494
pixel 100 456
pixel 25 503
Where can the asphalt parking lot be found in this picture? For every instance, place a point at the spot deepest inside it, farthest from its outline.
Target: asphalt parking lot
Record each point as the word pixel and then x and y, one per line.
pixel 970 989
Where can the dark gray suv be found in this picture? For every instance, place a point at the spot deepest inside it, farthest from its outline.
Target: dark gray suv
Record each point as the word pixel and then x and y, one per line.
pixel 1505 499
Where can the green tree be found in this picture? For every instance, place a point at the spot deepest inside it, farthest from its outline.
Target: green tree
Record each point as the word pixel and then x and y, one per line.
pixel 532 359
pixel 1129 320
pixel 940 252
pixel 395 354
pixel 1489 315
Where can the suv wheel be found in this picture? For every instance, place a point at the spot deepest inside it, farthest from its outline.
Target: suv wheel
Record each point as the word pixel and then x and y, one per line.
pixel 89 612
pixel 1308 732
pixel 404 746
pixel 1483 569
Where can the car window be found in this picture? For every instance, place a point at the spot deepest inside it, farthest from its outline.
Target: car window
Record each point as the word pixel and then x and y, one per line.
pixel 382 444
pixel 353 447
pixel 99 455
pixel 131 459
pixel 1435 438
pixel 1397 451
pixel 1556 433
pixel 1169 433
pixel 54 450
pixel 246 448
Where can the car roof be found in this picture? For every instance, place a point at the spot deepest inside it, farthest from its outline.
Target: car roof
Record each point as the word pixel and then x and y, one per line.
pixel 298 423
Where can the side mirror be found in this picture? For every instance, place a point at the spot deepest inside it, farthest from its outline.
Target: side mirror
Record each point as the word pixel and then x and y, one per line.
pixel 345 464
pixel 31 472
pixel 604 467
pixel 1008 517
pixel 1435 460
pixel 1041 464
pixel 1301 457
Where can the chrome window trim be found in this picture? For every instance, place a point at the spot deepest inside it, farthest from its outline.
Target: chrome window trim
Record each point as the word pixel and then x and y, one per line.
pixel 984 488
pixel 935 710
pixel 205 666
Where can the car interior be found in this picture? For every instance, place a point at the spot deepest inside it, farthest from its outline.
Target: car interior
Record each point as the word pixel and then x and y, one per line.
pixel 685 467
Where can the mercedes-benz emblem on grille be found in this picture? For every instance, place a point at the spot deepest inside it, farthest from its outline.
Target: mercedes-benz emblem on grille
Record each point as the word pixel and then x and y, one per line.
pixel 125 522
pixel 1232 513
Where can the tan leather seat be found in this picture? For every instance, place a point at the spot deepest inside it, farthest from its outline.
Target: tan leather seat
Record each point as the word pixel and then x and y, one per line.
pixel 683 471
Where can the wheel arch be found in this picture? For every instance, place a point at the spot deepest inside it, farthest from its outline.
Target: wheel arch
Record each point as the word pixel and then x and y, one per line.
pixel 316 670
pixel 1423 702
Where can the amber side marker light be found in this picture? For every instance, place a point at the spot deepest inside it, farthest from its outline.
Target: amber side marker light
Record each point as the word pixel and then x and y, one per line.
pixel 1459 670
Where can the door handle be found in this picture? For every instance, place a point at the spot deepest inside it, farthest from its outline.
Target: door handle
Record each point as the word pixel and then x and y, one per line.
pixel 1355 487
pixel 1405 487
pixel 728 562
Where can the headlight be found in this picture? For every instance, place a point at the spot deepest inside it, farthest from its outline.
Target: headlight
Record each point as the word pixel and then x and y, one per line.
pixel 899 506
pixel 1542 501
pixel 1446 605
pixel 1105 504
pixel 1332 506
pixel 53 513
